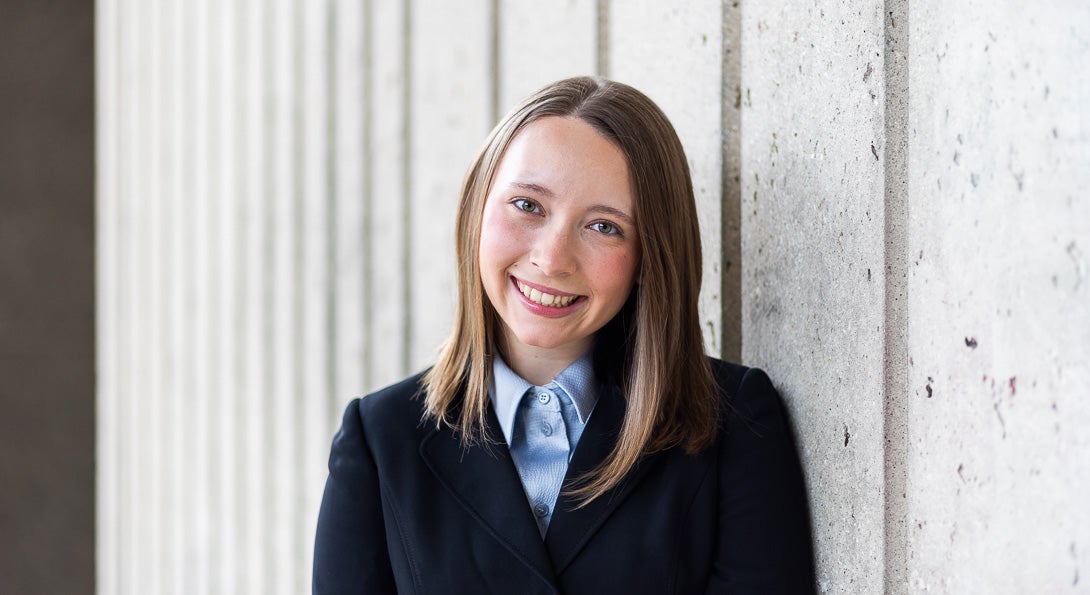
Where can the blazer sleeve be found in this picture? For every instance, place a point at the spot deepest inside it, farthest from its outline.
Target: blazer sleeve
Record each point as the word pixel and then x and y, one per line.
pixel 764 543
pixel 350 554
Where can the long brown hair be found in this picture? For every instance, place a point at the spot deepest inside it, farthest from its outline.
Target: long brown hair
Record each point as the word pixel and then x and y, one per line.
pixel 653 349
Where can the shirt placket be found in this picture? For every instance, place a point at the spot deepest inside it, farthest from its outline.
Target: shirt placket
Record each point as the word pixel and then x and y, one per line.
pixel 543 456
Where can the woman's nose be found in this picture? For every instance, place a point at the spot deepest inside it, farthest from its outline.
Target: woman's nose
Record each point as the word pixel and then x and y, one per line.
pixel 554 252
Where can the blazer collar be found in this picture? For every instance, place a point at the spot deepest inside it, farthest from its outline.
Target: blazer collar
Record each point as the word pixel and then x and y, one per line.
pixel 571 528
pixel 484 481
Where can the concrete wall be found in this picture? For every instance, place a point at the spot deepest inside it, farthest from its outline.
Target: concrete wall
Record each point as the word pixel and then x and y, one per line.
pixel 813 257
pixel 895 223
pixel 998 300
pixel 915 221
pixel 47 421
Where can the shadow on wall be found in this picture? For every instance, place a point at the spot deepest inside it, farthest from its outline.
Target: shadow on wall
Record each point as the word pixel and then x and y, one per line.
pixel 47 297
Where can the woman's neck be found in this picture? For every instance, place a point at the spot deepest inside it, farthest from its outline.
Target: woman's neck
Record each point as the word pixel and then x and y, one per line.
pixel 538 365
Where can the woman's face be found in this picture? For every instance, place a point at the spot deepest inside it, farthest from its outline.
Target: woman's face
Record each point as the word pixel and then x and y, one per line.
pixel 559 244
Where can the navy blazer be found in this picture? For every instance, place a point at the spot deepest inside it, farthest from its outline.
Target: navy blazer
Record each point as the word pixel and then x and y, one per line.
pixel 408 509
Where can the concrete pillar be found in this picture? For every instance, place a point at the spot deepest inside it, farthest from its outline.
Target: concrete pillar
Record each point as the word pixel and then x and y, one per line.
pixel 674 54
pixel 998 250
pixel 914 231
pixel 219 215
pixel 813 268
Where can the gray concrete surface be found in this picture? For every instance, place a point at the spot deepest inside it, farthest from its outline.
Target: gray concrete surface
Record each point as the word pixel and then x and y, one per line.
pixel 813 272
pixel 997 453
pixel 915 223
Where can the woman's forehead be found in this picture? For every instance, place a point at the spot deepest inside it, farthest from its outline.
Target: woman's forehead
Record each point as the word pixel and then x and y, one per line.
pixel 557 156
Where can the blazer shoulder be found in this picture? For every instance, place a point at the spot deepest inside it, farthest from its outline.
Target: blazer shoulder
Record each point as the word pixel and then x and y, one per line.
pixel 765 543
pixel 727 375
pixel 746 393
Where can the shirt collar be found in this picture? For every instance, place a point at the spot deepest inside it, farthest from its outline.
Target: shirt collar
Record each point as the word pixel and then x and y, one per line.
pixel 577 381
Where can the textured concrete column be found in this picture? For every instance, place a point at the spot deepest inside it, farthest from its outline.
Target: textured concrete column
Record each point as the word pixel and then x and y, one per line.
pixel 997 451
pixel 674 54
pixel 915 231
pixel 813 141
pixel 536 47
pixel 450 111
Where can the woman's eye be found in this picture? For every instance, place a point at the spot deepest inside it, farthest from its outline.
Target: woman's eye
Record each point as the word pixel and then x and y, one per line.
pixel 525 204
pixel 606 228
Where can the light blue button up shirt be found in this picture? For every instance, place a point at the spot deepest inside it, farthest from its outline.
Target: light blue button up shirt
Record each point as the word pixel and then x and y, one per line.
pixel 542 425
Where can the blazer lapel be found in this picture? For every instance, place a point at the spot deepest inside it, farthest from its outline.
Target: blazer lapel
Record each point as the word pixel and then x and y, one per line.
pixel 571 528
pixel 484 481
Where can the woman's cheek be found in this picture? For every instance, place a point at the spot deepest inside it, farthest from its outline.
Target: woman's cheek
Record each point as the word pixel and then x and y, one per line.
pixel 500 236
pixel 489 229
pixel 617 268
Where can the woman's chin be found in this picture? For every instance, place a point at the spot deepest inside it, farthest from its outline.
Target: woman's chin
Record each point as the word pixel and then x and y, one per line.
pixel 546 342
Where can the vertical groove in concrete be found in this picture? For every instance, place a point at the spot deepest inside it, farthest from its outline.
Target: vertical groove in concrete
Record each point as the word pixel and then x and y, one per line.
pixel 602 51
pixel 296 465
pixel 269 240
pixel 255 107
pixel 895 385
pixel 407 185
pixel 240 373
pixel 236 408
pixel 332 237
pixel 730 128
pixel 157 239
pixel 368 194
pixel 220 554
pixel 494 64
pixel 213 153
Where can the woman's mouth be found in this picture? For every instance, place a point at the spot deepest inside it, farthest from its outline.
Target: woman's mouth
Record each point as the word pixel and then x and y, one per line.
pixel 541 298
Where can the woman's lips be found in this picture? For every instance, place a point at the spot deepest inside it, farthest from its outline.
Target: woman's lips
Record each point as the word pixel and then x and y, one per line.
pixel 545 300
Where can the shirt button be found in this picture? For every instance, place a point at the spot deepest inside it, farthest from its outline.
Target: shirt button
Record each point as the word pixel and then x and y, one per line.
pixel 541 510
pixel 546 429
pixel 543 398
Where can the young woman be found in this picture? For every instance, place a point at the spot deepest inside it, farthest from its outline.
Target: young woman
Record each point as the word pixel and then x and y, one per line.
pixel 572 436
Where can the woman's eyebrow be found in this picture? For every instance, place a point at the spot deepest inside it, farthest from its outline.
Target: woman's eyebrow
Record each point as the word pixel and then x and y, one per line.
pixel 536 188
pixel 608 210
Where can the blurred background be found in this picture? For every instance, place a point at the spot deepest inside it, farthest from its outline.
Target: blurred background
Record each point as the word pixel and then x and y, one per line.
pixel 220 221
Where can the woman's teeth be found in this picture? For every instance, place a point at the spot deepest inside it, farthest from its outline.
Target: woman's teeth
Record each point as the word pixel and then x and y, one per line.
pixel 546 299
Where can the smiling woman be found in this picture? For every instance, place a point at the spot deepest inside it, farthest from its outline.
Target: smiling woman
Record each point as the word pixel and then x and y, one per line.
pixel 575 437
pixel 558 246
